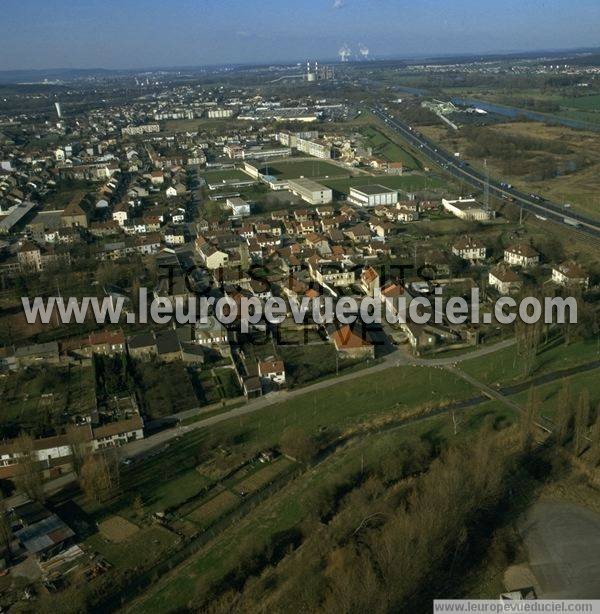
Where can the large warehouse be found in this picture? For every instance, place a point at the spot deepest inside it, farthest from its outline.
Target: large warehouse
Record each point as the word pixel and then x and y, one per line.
pixel 468 209
pixel 372 196
pixel 310 191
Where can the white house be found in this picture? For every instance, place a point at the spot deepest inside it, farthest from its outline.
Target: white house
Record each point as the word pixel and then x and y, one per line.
pixel 505 280
pixel 212 257
pixel 521 255
pixel 469 248
pixel 238 206
pixel 570 274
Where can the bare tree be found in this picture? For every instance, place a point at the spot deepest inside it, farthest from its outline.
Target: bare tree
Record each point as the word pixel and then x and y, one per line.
pixel 595 441
pixel 582 419
pixel 6 534
pixel 563 415
pixel 78 447
pixel 99 478
pixel 28 475
pixel 528 418
pixel 528 337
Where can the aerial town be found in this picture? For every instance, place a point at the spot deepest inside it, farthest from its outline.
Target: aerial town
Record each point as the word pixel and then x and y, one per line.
pixel 152 465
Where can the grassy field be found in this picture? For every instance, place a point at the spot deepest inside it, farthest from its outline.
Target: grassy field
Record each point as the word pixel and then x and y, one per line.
pixel 293 169
pixel 307 363
pixel 292 506
pixel 383 147
pixel 205 514
pixel 192 125
pixel 585 103
pixel 157 382
pixel 151 543
pixel 548 394
pixel 224 175
pixel 265 474
pixel 172 492
pixel 580 188
pixel 505 366
pixel 395 182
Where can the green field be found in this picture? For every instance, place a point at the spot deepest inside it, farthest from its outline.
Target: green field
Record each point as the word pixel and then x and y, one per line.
pixel 396 182
pixel 505 366
pixel 294 169
pixel 548 394
pixel 306 363
pixel 292 506
pixel 225 175
pixel 149 543
pixel 391 152
pixel 584 103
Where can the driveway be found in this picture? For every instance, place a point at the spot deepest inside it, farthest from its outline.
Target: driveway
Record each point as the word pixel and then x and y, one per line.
pixel 563 543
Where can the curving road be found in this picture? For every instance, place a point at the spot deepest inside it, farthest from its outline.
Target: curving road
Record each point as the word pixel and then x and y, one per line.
pixel 543 209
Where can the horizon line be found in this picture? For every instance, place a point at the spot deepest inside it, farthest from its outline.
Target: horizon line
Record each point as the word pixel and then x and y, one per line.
pixel 332 59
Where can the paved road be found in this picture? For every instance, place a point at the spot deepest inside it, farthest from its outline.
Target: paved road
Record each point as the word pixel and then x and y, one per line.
pixel 396 358
pixel 563 543
pixel 459 169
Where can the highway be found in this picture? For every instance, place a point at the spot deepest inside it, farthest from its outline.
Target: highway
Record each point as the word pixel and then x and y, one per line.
pixel 543 209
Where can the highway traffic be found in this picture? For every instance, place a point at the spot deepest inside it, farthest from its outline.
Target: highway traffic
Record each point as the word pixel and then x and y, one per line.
pixel 534 203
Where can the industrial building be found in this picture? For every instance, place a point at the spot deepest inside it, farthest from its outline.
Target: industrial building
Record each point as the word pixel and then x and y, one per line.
pixel 468 209
pixel 310 191
pixel 373 196
pixel 16 215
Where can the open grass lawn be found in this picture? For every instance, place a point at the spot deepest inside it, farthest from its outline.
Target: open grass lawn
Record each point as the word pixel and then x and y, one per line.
pixel 339 407
pixel 263 476
pixel 170 477
pixel 384 148
pixel 224 175
pixel 585 103
pixel 165 389
pixel 289 507
pixel 173 491
pixel 283 169
pixel 142 548
pixel 395 182
pixel 548 394
pixel 190 125
pixel 205 514
pixel 306 363
pixel 505 367
pixel 590 116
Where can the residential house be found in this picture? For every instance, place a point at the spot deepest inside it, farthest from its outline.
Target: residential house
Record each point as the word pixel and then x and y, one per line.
pixel 469 248
pixel 505 280
pixel 522 255
pixel 570 274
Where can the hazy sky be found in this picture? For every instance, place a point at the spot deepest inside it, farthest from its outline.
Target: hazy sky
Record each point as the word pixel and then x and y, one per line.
pixel 140 33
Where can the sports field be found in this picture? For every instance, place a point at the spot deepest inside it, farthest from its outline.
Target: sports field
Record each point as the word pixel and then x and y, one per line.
pixel 225 175
pixel 292 169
